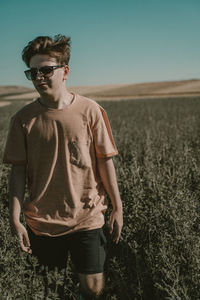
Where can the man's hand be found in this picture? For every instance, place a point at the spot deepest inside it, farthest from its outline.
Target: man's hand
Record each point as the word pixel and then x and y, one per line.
pixel 20 231
pixel 116 223
pixel 17 185
pixel 109 179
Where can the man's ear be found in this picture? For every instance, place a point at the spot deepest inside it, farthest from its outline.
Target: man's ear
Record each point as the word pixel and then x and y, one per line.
pixel 66 72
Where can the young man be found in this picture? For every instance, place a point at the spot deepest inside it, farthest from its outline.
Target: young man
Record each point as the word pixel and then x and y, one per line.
pixel 63 145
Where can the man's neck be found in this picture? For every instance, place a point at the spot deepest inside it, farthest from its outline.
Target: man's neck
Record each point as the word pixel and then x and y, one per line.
pixel 57 101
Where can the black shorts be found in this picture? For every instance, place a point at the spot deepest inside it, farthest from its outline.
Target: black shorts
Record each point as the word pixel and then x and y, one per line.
pixel 87 250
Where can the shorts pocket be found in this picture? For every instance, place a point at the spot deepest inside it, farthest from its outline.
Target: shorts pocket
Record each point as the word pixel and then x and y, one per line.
pixel 103 240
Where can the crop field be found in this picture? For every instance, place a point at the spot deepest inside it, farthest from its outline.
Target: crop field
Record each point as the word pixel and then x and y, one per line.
pixel 158 171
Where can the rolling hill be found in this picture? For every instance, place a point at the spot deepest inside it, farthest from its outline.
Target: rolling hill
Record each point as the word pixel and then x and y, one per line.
pixel 115 92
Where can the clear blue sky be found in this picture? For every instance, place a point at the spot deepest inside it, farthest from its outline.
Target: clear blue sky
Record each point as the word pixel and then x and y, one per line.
pixel 113 41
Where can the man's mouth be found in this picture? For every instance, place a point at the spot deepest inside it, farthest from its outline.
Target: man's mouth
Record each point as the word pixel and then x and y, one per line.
pixel 42 85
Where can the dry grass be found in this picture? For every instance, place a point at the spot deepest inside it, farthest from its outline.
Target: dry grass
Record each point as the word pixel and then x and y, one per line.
pixel 116 92
pixel 155 89
pixel 4 103
pixel 13 89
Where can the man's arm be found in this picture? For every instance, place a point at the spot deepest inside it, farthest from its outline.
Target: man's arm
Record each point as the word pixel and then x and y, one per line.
pixel 109 179
pixel 16 190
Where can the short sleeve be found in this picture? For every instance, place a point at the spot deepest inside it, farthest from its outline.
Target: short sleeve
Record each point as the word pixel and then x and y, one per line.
pixel 102 134
pixel 15 148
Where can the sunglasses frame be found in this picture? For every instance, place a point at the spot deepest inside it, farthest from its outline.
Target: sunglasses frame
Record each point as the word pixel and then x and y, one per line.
pixel 33 76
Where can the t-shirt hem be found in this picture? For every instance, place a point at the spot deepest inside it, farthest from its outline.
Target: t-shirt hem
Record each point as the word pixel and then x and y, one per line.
pixel 99 155
pixel 71 231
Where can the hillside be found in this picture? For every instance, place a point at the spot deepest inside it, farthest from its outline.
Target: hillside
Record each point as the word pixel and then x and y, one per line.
pixel 116 92
pixel 153 89
pixel 13 89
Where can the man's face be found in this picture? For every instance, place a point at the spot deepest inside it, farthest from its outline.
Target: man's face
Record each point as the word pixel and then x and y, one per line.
pixel 48 85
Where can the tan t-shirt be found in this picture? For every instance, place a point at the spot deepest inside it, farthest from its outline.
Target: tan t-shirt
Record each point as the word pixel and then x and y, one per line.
pixel 60 148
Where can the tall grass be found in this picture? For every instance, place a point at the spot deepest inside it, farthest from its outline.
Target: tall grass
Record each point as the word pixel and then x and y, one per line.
pixel 158 172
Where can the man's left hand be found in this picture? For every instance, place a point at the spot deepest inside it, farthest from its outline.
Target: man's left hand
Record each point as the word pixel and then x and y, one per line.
pixel 115 225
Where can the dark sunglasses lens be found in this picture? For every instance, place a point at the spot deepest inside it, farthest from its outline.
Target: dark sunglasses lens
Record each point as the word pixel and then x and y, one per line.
pixel 28 74
pixel 33 74
pixel 46 70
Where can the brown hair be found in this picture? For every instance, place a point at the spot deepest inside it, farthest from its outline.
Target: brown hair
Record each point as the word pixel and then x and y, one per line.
pixel 58 47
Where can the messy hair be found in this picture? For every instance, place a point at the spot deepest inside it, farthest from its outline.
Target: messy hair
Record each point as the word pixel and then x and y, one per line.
pixel 57 47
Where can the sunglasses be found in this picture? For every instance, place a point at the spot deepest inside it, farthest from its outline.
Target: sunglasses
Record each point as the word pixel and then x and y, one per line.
pixel 46 71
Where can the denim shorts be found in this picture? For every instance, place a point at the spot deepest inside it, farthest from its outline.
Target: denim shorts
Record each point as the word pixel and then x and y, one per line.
pixel 87 250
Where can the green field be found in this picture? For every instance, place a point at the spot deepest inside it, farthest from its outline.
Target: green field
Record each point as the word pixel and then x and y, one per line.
pixel 158 172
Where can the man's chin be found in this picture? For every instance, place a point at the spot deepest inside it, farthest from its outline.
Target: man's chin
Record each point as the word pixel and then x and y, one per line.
pixel 44 90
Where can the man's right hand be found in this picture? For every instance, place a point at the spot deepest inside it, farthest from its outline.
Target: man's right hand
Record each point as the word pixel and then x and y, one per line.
pixel 20 231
